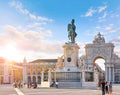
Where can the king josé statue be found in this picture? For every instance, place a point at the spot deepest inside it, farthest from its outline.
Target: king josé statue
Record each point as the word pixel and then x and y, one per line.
pixel 71 31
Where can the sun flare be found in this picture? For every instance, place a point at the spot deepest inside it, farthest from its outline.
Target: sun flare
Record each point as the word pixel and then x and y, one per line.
pixel 10 52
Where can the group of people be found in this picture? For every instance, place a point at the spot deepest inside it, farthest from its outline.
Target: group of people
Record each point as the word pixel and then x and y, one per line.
pixel 31 85
pixel 106 87
pixel 54 84
pixel 18 84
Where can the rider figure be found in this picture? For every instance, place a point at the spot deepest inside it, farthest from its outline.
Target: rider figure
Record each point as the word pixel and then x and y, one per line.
pixel 71 31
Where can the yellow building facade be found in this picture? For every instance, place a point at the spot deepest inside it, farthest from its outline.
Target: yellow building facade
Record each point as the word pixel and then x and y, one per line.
pixel 10 71
pixel 38 70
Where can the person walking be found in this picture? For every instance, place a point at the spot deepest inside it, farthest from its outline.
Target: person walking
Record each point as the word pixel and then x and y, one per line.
pixel 106 88
pixel 103 87
pixel 99 85
pixel 110 88
pixel 56 83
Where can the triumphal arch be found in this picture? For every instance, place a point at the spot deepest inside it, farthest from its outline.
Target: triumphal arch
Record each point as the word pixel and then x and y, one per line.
pixel 100 49
pixel 72 70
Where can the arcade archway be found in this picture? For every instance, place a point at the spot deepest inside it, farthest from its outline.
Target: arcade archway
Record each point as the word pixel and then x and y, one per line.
pixel 100 62
pixel 100 65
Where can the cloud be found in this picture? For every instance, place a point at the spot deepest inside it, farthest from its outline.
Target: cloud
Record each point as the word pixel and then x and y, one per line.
pixel 116 40
pixel 114 15
pixel 31 38
pixel 36 24
pixel 109 27
pixel 90 12
pixel 104 16
pixel 117 51
pixel 98 27
pixel 101 8
pixel 31 43
pixel 19 7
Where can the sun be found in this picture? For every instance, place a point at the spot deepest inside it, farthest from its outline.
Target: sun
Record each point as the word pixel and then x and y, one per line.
pixel 10 52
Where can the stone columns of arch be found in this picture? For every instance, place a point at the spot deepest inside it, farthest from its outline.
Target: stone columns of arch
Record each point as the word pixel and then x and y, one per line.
pixel 109 72
pixel 113 75
pixel 83 76
pixel 106 78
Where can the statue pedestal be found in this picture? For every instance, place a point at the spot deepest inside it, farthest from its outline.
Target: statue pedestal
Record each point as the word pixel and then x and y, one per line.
pixel 70 74
pixel 71 54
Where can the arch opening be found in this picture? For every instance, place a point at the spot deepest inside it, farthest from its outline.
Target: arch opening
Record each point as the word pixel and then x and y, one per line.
pixel 100 62
pixel 100 65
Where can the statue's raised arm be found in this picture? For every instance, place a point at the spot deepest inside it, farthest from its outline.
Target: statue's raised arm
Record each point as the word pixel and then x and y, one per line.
pixel 71 31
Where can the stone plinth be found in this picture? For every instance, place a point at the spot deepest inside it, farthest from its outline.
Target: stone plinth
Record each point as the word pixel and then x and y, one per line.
pixel 69 73
pixel 71 54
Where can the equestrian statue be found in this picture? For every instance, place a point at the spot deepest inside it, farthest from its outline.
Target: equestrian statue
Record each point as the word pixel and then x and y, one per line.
pixel 71 31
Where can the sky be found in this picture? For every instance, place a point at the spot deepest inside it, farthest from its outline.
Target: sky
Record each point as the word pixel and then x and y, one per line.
pixel 37 29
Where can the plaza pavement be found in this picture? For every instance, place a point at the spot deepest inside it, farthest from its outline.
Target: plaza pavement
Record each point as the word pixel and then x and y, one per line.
pixel 9 90
pixel 54 91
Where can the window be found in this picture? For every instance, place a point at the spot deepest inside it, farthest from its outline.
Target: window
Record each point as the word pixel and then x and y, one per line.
pixel 45 76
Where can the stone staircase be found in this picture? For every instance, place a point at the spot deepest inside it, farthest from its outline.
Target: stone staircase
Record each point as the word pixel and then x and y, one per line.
pixel 89 85
pixel 70 85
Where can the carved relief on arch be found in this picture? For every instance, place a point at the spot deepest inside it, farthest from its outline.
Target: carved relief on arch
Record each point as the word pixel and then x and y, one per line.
pixel 97 58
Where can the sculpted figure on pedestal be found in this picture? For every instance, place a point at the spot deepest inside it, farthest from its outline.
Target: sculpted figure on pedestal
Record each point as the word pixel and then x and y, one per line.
pixel 71 31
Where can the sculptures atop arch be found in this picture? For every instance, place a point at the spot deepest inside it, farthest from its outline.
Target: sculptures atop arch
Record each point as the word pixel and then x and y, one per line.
pixel 99 39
